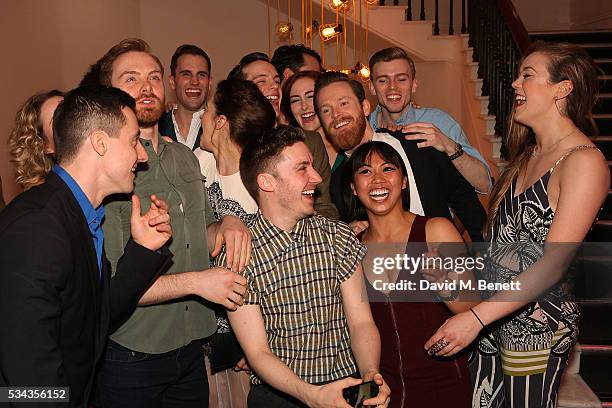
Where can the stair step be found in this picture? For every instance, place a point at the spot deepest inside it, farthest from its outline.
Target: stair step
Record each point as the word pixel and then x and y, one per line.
pixel 574 392
pixel 606 212
pixel 574 37
pixel 598 50
pixel 594 370
pixel 592 275
pixel 604 103
pixel 604 123
pixel 601 232
pixel 596 349
pixel 605 64
pixel 605 83
pixel 603 142
pixel 594 323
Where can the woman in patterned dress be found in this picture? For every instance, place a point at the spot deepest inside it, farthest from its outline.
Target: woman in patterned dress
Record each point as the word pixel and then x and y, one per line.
pixel 237 112
pixel 541 208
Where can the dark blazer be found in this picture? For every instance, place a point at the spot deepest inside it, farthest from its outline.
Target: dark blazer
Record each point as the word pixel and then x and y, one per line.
pixel 439 183
pixel 57 311
pixel 166 128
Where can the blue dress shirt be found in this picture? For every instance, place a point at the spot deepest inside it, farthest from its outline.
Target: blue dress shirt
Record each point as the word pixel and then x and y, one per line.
pixel 93 216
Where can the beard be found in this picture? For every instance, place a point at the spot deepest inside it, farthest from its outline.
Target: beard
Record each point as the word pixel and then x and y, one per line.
pixel 349 136
pixel 148 116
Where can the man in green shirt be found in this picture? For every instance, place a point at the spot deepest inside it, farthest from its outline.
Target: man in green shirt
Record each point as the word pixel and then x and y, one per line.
pixel 155 358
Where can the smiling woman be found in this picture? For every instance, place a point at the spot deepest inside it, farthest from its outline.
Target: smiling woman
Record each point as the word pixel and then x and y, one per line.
pixel 538 201
pixel 378 192
pixel 298 107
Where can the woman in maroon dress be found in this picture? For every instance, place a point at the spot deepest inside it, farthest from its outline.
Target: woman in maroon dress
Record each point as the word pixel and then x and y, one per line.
pixel 406 319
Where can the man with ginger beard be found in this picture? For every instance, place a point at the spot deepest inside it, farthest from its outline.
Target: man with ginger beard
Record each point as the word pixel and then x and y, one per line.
pixel 256 67
pixel 433 182
pixel 155 358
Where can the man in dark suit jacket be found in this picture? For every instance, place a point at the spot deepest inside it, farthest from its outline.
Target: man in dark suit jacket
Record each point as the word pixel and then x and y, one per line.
pixel 435 184
pixel 57 301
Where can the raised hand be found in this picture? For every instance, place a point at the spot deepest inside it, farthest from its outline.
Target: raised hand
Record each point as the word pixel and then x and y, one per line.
pixel 151 230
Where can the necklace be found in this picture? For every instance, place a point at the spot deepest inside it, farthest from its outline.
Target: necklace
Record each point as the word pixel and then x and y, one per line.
pixel 535 153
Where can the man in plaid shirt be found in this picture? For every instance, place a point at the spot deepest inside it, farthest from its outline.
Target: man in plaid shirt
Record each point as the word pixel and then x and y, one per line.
pixel 306 325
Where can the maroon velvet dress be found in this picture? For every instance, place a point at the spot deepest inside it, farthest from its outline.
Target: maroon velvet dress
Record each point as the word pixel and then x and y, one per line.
pixel 416 379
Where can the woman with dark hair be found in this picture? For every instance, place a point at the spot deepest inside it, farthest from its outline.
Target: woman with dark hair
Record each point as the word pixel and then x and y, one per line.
pixel 31 141
pixel 297 105
pixel 237 113
pixel 541 208
pixel 378 192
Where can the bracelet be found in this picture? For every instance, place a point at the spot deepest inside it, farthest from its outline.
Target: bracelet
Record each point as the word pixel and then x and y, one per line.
pixel 478 318
pixel 458 152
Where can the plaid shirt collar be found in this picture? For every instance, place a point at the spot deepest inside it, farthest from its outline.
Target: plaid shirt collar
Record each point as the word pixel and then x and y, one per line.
pixel 275 236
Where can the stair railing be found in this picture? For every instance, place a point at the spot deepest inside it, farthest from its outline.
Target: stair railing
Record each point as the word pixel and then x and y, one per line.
pixel 498 38
pixel 436 11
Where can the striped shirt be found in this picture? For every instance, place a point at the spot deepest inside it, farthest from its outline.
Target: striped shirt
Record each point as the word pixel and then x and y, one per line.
pixel 295 279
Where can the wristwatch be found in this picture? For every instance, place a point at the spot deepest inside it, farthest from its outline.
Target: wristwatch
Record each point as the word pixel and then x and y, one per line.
pixel 458 152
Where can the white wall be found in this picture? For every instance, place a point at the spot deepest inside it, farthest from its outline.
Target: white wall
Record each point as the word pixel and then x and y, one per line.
pixel 50 43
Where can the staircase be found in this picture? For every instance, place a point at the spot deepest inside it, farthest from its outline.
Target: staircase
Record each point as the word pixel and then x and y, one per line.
pixel 594 281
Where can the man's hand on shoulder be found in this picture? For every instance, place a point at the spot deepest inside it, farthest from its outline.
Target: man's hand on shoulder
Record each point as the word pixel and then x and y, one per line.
pixel 232 232
pixel 429 136
pixel 219 285
pixel 151 230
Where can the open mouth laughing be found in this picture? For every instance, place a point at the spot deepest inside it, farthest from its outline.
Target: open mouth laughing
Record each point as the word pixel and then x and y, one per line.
pixel 379 194
pixel 193 93
pixel 309 194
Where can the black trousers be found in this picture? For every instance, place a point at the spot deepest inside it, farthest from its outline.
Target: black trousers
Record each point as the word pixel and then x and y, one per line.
pixel 132 379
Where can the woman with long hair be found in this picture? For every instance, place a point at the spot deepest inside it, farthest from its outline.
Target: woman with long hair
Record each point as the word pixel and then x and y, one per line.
pixel 298 107
pixel 541 208
pixel 237 112
pixel 31 141
pixel 405 319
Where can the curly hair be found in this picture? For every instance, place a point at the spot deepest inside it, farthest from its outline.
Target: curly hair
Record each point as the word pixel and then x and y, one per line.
pixel 27 142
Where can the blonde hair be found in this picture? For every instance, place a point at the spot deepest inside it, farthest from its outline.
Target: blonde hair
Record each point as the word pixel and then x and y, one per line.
pixel 27 142
pixel 566 62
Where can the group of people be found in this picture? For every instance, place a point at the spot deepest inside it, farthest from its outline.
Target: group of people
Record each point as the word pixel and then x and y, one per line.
pixel 212 252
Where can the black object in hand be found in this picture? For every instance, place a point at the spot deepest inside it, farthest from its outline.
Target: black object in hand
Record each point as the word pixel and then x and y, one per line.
pixel 356 394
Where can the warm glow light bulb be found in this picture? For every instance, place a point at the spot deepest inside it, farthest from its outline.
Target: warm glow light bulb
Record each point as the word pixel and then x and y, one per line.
pixel 341 5
pixel 364 72
pixel 328 32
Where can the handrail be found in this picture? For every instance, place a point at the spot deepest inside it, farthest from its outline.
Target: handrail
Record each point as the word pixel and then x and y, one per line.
pixel 499 39
pixel 517 28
